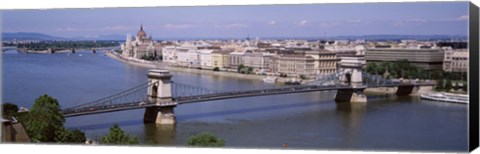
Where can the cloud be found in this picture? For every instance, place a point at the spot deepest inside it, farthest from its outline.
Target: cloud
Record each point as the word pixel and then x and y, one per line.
pixel 460 18
pixel 354 21
pixel 410 22
pixel 176 26
pixel 328 24
pixel 303 23
pixel 273 22
pixel 67 29
pixel 234 25
pixel 117 28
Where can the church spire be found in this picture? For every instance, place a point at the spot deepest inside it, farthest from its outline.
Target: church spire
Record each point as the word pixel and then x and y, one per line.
pixel 141 27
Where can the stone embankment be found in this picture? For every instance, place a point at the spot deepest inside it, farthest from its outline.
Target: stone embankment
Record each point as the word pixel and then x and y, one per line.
pixel 160 65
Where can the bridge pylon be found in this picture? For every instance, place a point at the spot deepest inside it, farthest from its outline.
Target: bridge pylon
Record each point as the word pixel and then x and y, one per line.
pixel 159 93
pixel 351 67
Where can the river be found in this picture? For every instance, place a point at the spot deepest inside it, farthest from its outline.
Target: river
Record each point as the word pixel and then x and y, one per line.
pixel 303 121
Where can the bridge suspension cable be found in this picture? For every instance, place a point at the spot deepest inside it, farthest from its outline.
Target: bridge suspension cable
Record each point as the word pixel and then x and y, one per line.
pixel 135 94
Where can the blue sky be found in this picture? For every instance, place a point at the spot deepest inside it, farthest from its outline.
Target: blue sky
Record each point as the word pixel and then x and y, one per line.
pixel 314 20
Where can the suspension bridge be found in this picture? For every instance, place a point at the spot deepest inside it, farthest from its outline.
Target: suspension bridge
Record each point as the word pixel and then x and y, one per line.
pixel 159 95
pixel 8 48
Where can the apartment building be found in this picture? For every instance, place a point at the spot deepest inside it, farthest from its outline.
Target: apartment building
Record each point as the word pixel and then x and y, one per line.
pixel 205 56
pixel 220 58
pixel 456 60
pixel 428 59
pixel 325 61
pixel 296 65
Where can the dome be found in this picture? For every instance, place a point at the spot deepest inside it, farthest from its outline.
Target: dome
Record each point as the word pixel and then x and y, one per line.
pixel 141 33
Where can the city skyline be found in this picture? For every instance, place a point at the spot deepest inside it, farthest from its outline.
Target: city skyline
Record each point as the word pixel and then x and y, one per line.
pixel 304 20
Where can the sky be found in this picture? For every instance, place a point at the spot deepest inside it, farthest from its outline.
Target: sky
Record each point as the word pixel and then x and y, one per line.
pixel 301 20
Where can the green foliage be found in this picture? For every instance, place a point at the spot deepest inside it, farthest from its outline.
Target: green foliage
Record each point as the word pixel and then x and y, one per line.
pixel 9 110
pixel 59 45
pixel 372 68
pixel 249 70
pixel 436 75
pixel 151 58
pixel 205 140
pixel 118 51
pixel 68 136
pixel 448 85
pixel 117 136
pixel 439 85
pixel 44 123
pixel 45 120
pixel 216 69
pixel 240 68
pixel 303 76
pixel 283 75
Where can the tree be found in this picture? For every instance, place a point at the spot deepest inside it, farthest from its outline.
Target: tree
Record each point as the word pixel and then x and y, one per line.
pixel 117 136
pixel 303 76
pixel 448 85
pixel 216 69
pixel 205 140
pixel 249 70
pixel 437 75
pixel 240 68
pixel 9 110
pixel 381 69
pixel 439 85
pixel 372 68
pixel 45 120
pixel 465 87
pixel 68 136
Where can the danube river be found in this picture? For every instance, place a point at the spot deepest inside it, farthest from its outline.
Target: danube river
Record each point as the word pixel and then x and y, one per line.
pixel 303 121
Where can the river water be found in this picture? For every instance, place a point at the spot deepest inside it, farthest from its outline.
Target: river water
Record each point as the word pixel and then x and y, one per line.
pixel 303 121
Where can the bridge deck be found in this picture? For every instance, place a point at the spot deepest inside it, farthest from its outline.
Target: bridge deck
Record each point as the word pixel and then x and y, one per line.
pixel 217 96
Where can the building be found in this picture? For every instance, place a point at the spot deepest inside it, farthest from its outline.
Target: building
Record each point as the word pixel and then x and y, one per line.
pixel 325 61
pixel 205 57
pixel 296 65
pixel 428 59
pixel 253 60
pixel 182 58
pixel 141 46
pixel 169 54
pixel 235 59
pixel 193 58
pixel 220 58
pixel 456 60
pixel 268 63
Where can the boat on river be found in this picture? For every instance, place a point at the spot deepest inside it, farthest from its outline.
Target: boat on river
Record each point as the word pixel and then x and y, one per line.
pixel 270 79
pixel 446 97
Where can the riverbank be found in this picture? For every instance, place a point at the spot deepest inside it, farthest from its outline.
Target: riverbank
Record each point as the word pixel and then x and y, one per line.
pixel 63 51
pixel 159 65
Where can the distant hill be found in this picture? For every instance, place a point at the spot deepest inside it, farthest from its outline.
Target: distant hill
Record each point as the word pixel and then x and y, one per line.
pixel 345 37
pixel 29 36
pixel 403 37
pixel 40 36
pixel 102 37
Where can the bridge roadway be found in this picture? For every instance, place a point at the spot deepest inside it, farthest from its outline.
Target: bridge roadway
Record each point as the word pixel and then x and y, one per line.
pixel 6 48
pixel 218 96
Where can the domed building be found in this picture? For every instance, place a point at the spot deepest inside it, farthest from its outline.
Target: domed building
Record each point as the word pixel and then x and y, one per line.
pixel 141 46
